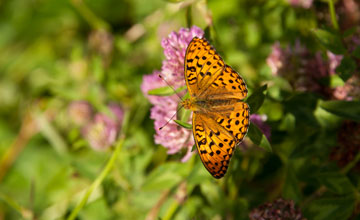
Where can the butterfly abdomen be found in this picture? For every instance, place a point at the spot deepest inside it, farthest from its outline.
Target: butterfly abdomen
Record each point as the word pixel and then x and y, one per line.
pixel 214 105
pixel 221 102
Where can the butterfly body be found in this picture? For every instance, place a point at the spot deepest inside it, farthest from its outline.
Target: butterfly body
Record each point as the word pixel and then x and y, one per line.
pixel 209 105
pixel 220 117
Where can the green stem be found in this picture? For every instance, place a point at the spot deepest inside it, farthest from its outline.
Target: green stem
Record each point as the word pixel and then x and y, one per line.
pixel 171 210
pixel 350 165
pixel 25 213
pixel 51 134
pixel 189 21
pixel 333 15
pixel 98 180
pixel 313 196
pixel 89 16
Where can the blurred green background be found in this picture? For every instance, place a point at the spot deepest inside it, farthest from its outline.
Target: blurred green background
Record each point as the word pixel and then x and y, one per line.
pixel 55 52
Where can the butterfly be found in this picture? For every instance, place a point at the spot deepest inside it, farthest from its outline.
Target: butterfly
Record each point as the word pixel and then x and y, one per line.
pixel 220 117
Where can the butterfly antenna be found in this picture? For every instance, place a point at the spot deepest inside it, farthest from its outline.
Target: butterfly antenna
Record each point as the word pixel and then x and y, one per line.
pixel 161 77
pixel 171 118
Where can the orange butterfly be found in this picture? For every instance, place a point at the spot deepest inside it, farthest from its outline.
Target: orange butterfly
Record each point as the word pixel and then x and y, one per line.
pixel 220 118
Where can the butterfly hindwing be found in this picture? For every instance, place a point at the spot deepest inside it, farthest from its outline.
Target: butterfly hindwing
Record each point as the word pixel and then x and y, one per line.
pixel 217 135
pixel 236 121
pixel 215 148
pixel 202 64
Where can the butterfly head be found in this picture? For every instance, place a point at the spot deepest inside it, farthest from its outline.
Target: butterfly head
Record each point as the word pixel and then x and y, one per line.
pixel 190 104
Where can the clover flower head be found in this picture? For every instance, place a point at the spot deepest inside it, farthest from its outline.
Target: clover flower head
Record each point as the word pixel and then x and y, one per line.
pixel 80 112
pixel 353 41
pixel 301 68
pixel 101 41
pixel 276 59
pixel 172 136
pixel 174 50
pixel 118 113
pixel 334 61
pixel 301 3
pixel 349 91
pixel 279 209
pixel 348 138
pixel 101 133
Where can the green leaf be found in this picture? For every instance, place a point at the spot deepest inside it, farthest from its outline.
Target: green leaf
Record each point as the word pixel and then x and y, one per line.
pixel 165 91
pixel 258 138
pixel 330 41
pixel 207 33
pixel 193 148
pixel 211 192
pixel 349 32
pixel 335 182
pixel 183 124
pixel 256 99
pixel 336 207
pixel 302 106
pixel 304 145
pixel 186 96
pixel 165 177
pixel 111 191
pixel 291 188
pixel 184 114
pixel 97 69
pixel 345 109
pixel 346 68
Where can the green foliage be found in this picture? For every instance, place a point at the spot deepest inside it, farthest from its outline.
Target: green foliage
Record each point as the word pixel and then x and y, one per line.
pixel 183 124
pixel 332 207
pixel 165 91
pixel 258 138
pixel 256 99
pixel 346 109
pixel 56 52
pixel 346 68
pixel 331 41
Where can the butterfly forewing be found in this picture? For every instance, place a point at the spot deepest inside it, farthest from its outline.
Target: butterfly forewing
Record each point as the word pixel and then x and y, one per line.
pixel 202 64
pixel 228 84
